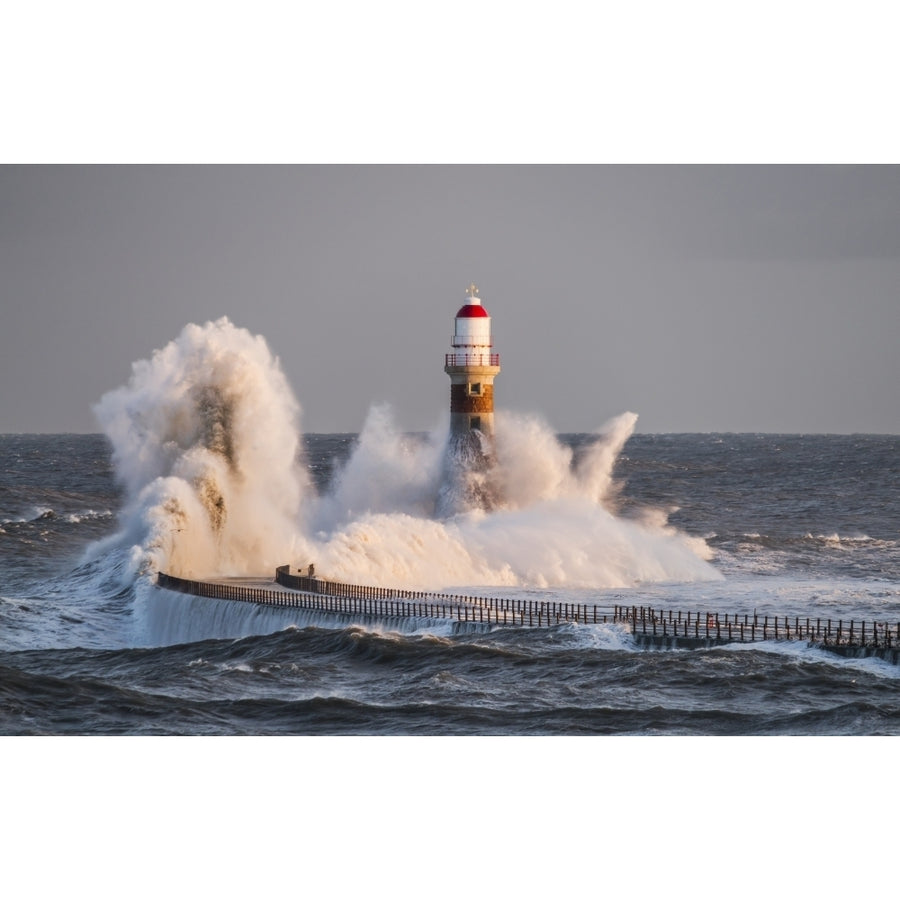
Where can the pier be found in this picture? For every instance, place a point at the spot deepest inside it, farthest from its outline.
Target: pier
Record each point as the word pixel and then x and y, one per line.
pixel 662 629
pixel 367 602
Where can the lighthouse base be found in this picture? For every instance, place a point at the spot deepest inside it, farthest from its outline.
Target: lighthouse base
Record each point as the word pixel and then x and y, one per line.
pixel 466 482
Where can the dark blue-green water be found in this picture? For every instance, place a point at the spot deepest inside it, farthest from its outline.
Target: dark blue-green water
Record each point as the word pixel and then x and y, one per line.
pixel 799 525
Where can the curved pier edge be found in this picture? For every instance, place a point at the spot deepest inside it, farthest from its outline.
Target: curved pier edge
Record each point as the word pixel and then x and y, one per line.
pixel 367 602
pixel 650 628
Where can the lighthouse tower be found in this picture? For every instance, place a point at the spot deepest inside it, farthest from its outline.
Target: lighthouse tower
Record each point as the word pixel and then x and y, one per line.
pixel 472 366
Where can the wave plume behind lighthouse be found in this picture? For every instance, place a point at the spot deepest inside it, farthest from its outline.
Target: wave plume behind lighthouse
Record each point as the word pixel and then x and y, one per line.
pixel 207 447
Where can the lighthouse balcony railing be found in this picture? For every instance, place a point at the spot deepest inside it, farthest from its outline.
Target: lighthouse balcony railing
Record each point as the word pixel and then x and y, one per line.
pixel 472 359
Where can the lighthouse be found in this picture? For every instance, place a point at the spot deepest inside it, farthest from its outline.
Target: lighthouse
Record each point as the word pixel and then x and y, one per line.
pixel 472 366
pixel 467 480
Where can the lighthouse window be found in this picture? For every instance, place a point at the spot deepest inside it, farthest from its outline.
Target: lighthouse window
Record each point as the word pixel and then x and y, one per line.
pixel 475 423
pixel 474 388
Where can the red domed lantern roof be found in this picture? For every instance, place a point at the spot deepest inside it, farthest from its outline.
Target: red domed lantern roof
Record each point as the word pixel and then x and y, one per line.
pixel 473 309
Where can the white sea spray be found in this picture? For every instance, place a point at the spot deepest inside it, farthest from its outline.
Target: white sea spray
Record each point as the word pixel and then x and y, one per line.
pixel 207 446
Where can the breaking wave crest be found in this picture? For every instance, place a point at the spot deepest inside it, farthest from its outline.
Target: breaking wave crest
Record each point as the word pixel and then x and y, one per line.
pixel 207 446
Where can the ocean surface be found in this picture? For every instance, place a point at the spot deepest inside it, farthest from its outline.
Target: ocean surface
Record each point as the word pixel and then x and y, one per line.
pixel 805 525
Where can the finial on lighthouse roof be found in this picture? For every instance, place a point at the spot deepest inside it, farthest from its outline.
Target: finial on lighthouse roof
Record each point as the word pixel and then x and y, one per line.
pixel 472 293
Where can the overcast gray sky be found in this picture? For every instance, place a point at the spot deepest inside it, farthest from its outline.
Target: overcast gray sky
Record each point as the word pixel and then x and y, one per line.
pixel 702 298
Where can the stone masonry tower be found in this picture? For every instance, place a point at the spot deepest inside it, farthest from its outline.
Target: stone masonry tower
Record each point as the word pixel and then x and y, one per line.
pixel 472 367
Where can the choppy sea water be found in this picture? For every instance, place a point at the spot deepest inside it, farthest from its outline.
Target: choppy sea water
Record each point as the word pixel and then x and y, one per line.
pixel 799 525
